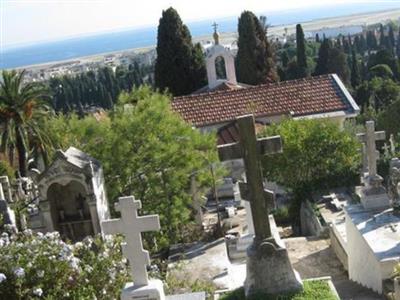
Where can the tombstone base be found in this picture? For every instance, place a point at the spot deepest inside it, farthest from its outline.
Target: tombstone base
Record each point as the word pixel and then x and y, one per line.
pixel 373 197
pixel 153 291
pixel 269 270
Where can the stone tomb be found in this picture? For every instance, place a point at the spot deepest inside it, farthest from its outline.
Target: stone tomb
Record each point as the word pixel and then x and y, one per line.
pixel 72 196
pixel 372 229
pixel 266 253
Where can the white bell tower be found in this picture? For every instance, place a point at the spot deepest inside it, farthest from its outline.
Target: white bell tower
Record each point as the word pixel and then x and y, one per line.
pixel 219 51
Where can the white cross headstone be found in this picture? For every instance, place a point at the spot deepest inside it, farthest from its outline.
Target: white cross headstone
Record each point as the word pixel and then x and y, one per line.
pixel 131 226
pixel 369 138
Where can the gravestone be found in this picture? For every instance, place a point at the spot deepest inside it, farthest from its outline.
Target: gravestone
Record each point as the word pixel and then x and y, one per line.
pixel 373 195
pixel 131 225
pixel 268 266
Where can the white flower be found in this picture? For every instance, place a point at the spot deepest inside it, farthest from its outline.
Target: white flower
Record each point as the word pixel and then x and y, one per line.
pixel 2 277
pixel 19 272
pixel 40 273
pixel 38 292
pixel 28 232
pixel 74 262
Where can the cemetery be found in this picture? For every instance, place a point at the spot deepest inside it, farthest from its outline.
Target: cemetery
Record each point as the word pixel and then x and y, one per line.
pixel 270 190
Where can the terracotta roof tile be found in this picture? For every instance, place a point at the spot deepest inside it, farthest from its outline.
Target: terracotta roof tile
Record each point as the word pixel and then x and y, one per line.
pixel 301 97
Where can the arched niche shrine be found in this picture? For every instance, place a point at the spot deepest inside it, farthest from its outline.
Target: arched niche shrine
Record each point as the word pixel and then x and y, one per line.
pixel 72 196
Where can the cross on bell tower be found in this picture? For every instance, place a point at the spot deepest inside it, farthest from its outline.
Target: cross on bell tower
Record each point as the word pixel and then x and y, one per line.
pixel 216 34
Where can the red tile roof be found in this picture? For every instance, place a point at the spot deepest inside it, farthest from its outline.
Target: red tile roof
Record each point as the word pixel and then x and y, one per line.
pixel 313 95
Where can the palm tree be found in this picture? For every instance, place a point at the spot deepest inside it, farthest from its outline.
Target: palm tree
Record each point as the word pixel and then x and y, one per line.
pixel 22 108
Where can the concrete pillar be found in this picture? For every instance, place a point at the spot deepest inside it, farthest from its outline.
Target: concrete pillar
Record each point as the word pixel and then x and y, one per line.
pixel 44 206
pixel 93 214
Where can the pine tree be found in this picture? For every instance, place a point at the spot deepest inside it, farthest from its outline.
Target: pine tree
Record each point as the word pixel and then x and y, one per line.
pixel 173 68
pixel 254 60
pixel 355 77
pixel 323 56
pixel 301 52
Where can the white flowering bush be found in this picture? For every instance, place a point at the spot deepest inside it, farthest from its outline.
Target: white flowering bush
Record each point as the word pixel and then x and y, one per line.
pixel 42 266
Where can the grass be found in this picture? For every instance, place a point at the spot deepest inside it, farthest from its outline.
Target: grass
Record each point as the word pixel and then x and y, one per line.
pixel 312 290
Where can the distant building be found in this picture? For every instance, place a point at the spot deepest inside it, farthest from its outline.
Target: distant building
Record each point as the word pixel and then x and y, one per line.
pixel 335 31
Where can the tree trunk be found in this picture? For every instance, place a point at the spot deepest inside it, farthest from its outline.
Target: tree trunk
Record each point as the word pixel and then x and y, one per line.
pixel 21 153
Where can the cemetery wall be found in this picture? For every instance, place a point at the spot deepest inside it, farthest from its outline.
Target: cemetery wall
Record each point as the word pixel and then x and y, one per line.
pixel 364 268
pixel 310 224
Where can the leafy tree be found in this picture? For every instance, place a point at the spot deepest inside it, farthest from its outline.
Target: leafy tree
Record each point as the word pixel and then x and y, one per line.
pixel 355 71
pixel 323 57
pixel 174 69
pixel 148 151
pixel 22 109
pixel 381 71
pixel 301 52
pixel 377 92
pixel 389 118
pixel 316 155
pixel 384 57
pixel 254 60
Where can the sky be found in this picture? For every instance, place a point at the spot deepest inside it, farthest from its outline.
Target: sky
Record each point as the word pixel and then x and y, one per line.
pixel 29 21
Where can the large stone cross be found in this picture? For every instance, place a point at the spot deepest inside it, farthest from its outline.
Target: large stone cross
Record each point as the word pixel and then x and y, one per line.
pixel 251 149
pixel 131 226
pixel 369 138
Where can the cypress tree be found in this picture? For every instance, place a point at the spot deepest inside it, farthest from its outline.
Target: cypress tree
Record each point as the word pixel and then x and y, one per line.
pixel 391 36
pixel 301 52
pixel 323 56
pixel 363 44
pixel 355 77
pixel 371 40
pixel 337 63
pixel 254 60
pixel 381 36
pixel 398 45
pixel 199 72
pixel 173 68
pixel 317 38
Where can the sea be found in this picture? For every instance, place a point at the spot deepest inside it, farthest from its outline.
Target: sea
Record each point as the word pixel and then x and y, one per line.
pixel 17 57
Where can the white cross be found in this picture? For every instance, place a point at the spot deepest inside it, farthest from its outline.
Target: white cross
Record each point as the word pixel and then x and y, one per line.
pixel 369 138
pixel 131 226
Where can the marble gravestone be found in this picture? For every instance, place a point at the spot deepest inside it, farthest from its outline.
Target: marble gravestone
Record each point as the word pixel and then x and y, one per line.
pixel 373 195
pixel 131 225
pixel 268 266
pixel 71 196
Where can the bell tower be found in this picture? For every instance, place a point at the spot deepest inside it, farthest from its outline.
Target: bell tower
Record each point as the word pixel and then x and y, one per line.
pixel 217 51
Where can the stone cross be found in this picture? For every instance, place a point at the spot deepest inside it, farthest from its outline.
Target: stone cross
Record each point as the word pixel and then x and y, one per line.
pixel 251 149
pixel 369 138
pixel 131 226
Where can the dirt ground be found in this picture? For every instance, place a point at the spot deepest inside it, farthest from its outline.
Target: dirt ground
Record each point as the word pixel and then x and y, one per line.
pixel 309 256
